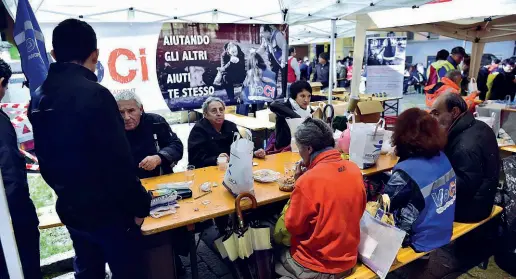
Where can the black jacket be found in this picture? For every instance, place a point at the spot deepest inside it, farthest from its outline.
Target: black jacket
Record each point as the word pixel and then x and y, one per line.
pixel 322 74
pixel 14 175
pixel 143 144
pixel 473 152
pixel 503 85
pixel 83 151
pixel 205 144
pixel 283 110
pixel 483 73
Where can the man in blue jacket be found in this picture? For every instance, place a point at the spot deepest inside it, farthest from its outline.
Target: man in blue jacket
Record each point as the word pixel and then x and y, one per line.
pixel 14 176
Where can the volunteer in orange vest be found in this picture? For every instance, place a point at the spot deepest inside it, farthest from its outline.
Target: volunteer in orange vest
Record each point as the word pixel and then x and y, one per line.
pixel 448 84
pixel 294 73
pixel 325 209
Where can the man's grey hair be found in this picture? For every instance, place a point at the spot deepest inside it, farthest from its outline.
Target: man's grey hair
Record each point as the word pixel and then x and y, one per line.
pixel 453 74
pixel 128 95
pixel 452 100
pixel 210 100
pixel 315 133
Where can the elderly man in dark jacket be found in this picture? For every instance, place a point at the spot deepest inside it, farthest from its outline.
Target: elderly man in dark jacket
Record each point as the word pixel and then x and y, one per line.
pixel 14 176
pixel 156 149
pixel 473 152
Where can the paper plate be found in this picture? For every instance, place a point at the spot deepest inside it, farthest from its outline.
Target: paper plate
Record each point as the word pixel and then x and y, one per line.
pixel 266 176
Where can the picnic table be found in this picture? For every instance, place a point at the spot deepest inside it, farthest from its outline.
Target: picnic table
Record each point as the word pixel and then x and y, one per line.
pixel 509 148
pixel 221 202
pixel 251 123
pixel 218 203
pixel 390 104
pixel 408 255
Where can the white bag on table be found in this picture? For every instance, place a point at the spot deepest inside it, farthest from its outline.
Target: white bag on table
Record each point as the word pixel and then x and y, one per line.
pixel 387 145
pixel 239 174
pixel 379 244
pixel 488 120
pixel 366 143
pixel 472 86
pixel 293 123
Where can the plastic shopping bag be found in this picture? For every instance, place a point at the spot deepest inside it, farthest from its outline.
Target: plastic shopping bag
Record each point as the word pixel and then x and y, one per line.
pixel 379 244
pixel 366 143
pixel 239 174
pixel 488 120
pixel 293 123
pixel 472 86
pixel 387 145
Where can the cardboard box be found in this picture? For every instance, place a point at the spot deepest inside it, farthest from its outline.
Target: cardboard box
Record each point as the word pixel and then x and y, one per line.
pixel 266 115
pixel 368 111
pixel 316 87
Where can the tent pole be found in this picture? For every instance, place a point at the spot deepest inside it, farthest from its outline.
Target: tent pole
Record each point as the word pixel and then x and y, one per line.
pixel 358 57
pixel 477 49
pixel 284 68
pixel 12 258
pixel 333 60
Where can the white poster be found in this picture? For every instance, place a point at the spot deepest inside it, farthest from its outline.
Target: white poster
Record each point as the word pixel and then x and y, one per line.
pixel 127 59
pixel 386 65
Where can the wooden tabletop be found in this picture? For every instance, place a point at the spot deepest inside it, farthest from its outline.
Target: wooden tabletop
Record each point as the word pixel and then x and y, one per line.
pixel 408 255
pixel 221 202
pixel 384 163
pixel 509 148
pixel 251 123
pixel 369 97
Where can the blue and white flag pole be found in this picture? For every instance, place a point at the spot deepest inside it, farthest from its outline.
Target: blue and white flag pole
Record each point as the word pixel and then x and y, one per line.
pixel 31 45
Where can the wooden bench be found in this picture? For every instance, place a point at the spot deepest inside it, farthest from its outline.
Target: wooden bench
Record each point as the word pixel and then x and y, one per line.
pixel 408 255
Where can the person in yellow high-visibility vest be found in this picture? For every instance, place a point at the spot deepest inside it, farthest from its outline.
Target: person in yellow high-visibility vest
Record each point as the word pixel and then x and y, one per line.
pixel 431 74
pixel 452 63
pixel 500 83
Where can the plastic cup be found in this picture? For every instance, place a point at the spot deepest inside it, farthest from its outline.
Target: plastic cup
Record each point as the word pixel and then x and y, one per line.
pixel 190 173
pixel 222 163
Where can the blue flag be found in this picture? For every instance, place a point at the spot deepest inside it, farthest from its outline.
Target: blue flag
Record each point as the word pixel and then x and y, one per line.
pixel 31 45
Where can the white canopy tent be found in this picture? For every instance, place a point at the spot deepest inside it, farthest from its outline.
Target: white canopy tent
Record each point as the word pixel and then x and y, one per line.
pixel 460 19
pixel 206 11
pixel 320 17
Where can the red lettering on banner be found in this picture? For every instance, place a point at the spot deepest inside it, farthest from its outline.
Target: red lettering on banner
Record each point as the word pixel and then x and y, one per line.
pixel 116 76
pixel 268 91
pixel 143 63
pixel 112 65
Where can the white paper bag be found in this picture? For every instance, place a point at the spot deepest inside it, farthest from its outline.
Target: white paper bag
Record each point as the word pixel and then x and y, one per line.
pixel 239 174
pixel 472 86
pixel 386 144
pixel 379 244
pixel 366 143
pixel 293 123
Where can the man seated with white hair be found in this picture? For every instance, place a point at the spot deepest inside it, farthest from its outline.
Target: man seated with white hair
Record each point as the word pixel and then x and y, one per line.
pixel 154 146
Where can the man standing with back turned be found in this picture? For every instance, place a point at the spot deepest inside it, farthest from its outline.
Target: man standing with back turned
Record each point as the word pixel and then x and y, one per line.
pixel 85 157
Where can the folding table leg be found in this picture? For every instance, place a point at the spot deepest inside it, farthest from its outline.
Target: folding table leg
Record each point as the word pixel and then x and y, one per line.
pixel 193 252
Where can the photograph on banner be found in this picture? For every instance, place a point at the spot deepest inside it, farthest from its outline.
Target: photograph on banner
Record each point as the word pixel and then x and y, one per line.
pixel 239 63
pixel 386 65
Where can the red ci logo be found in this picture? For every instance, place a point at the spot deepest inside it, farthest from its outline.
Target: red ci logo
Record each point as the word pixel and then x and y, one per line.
pixel 268 91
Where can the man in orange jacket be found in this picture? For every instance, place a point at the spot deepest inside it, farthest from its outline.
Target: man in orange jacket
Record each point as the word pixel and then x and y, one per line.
pixel 325 209
pixel 448 84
